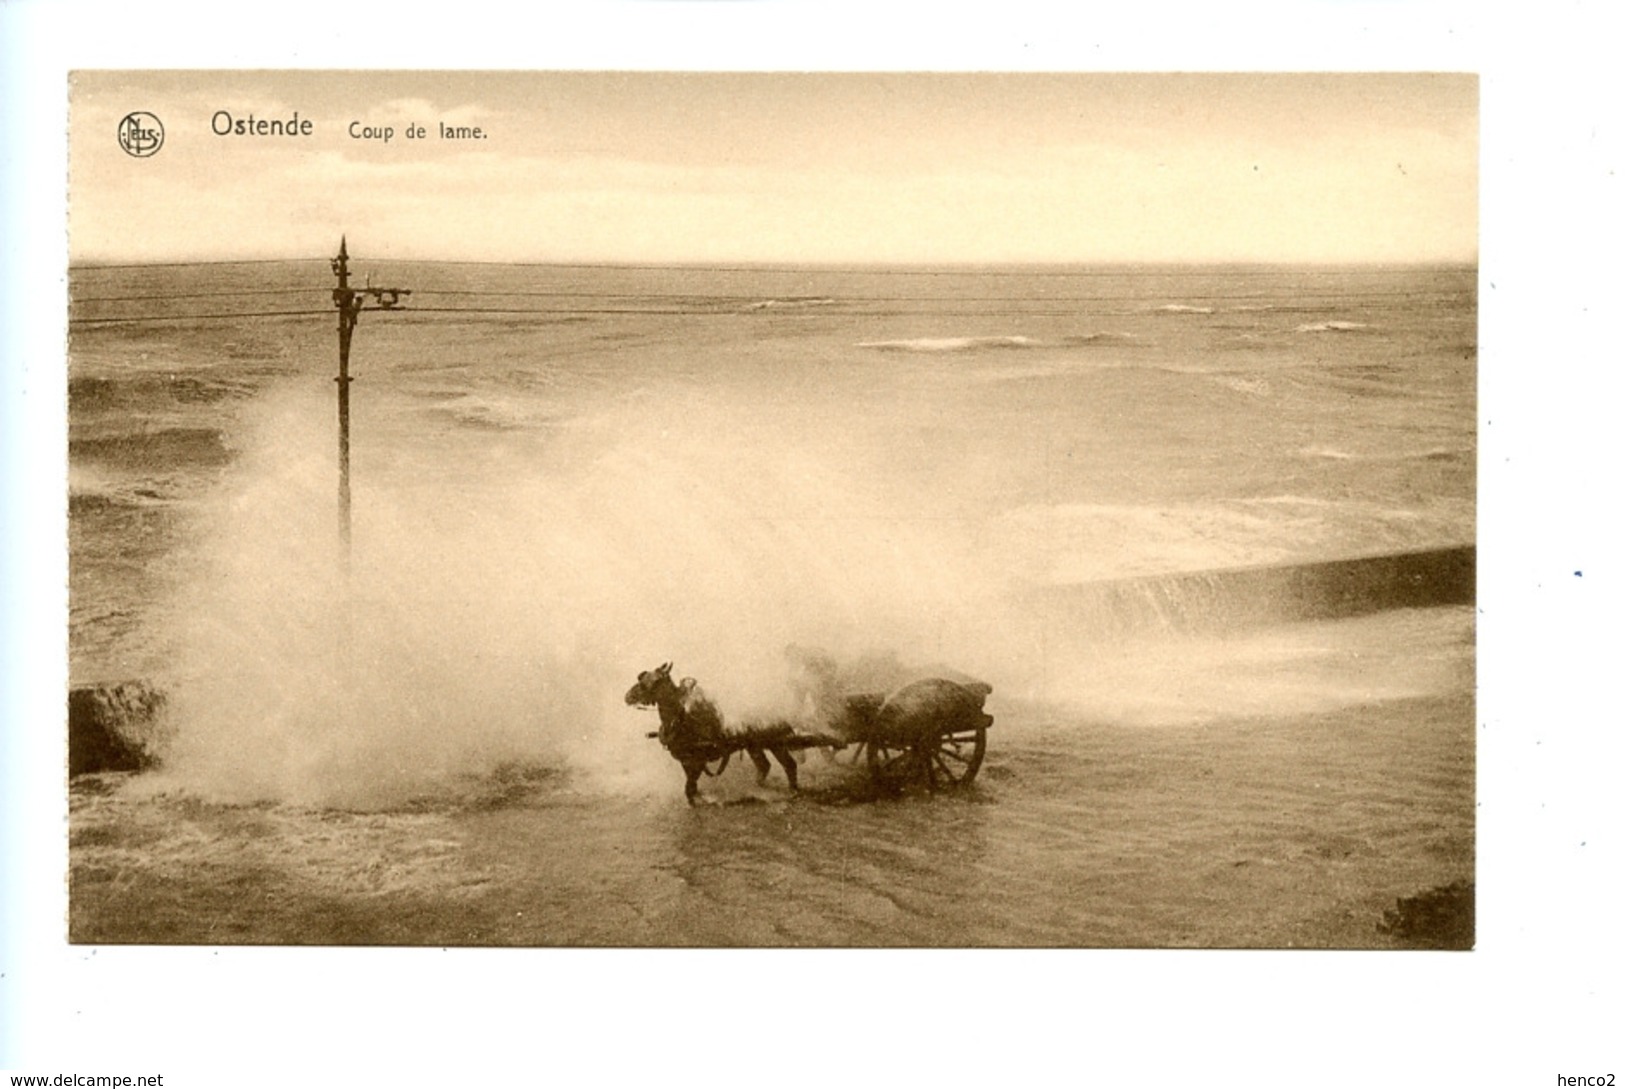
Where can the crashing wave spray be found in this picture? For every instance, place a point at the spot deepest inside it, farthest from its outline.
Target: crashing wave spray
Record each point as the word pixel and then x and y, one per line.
pixel 509 582
pixel 501 597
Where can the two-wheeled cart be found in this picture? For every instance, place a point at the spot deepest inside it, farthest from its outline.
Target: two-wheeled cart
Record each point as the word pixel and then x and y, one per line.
pixel 931 731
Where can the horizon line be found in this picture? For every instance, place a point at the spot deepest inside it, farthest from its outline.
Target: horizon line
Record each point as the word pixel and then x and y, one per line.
pixel 755 265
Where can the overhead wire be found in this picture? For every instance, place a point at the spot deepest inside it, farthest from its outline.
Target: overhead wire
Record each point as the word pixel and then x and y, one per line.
pixel 567 312
pixel 200 295
pixel 95 266
pixel 160 319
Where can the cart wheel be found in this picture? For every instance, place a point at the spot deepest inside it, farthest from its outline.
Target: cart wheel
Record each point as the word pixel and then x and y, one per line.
pixel 944 760
pixel 953 759
pixel 892 766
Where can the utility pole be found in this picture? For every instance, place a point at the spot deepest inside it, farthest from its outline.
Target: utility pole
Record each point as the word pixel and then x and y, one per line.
pixel 350 302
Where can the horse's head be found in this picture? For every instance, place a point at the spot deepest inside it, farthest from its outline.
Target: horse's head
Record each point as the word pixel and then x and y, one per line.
pixel 652 685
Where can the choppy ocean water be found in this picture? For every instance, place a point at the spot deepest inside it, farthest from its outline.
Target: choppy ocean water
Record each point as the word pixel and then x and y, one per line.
pixel 562 476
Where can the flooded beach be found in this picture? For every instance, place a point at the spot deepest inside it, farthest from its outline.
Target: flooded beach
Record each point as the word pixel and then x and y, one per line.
pixel 426 744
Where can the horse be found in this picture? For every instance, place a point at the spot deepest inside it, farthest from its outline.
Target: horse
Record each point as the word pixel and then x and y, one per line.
pixel 691 729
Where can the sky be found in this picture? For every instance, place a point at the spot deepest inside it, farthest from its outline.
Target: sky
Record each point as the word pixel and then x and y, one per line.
pixel 784 167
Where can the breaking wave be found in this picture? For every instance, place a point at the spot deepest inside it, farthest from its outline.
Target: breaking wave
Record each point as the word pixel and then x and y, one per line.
pixel 490 618
pixel 950 344
pixel 1437 453
pixel 793 303
pixel 1332 327
pixel 1329 453
pixel 1097 338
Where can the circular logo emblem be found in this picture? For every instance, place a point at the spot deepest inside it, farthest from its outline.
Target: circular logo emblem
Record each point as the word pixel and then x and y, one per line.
pixel 140 134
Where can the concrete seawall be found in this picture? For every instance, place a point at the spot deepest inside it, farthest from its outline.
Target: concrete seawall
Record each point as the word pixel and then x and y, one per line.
pixel 1249 596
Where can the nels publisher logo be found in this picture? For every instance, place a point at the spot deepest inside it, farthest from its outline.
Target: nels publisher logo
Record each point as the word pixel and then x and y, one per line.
pixel 140 134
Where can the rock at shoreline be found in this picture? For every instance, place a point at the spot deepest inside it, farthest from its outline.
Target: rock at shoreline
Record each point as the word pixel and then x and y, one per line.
pixel 114 727
pixel 1440 918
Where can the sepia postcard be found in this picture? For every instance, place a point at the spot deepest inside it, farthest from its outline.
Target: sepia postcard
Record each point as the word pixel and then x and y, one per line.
pixel 772 509
pixel 697 540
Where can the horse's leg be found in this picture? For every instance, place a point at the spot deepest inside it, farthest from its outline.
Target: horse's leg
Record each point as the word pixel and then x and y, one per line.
pixel 759 758
pixel 691 790
pixel 789 762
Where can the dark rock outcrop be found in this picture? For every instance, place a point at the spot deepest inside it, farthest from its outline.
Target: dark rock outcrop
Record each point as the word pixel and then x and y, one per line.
pixel 114 727
pixel 1440 918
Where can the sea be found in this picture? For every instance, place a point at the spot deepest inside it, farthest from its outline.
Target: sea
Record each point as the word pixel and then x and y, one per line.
pixel 403 723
